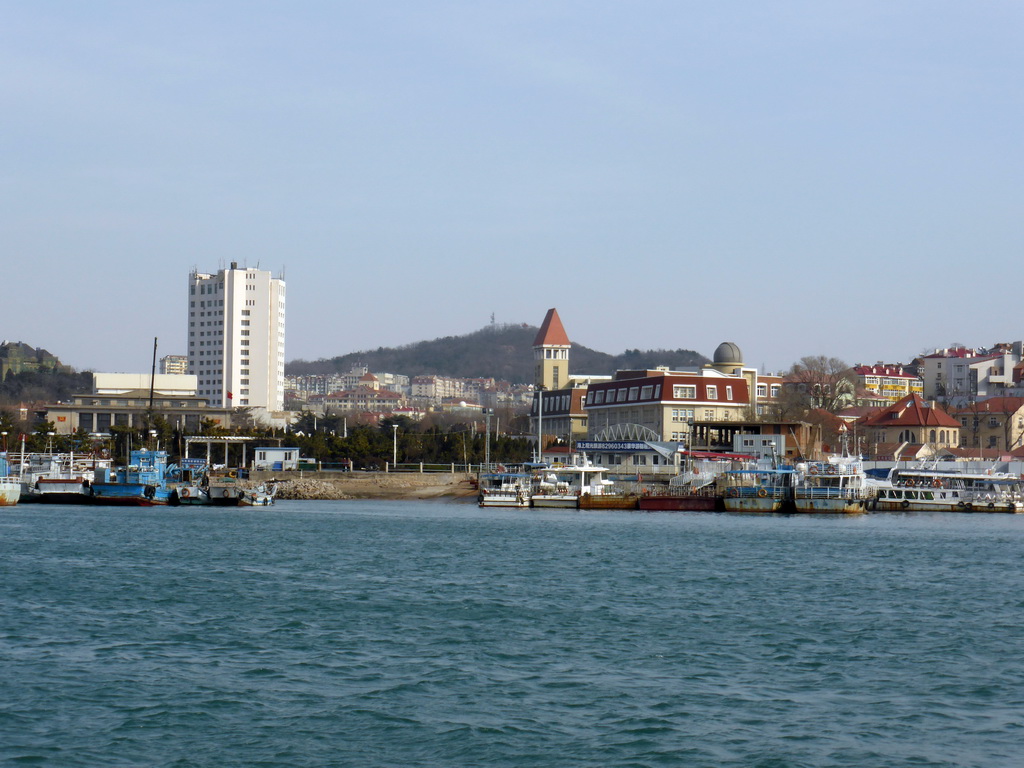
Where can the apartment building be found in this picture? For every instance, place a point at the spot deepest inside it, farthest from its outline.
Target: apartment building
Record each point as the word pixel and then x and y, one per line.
pixel 236 335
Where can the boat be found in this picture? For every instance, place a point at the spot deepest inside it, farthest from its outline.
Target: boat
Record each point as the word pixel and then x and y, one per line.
pixel 936 490
pixel 223 487
pixel 759 489
pixel 260 496
pixel 61 478
pixel 10 485
pixel 696 488
pixel 560 486
pixel 837 485
pixel 610 499
pixel 144 482
pixel 504 489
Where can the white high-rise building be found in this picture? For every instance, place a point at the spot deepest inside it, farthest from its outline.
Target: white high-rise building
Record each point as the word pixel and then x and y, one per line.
pixel 236 337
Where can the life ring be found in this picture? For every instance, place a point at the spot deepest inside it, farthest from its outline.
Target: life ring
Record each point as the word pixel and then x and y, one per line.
pixel 936 483
pixel 183 493
pixel 232 473
pixel 761 492
pixel 733 492
pixel 814 470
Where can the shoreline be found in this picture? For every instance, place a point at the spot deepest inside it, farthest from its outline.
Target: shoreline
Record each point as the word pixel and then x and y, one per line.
pixel 369 485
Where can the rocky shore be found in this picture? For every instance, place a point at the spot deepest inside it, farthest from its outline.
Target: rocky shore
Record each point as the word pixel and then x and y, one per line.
pixel 375 485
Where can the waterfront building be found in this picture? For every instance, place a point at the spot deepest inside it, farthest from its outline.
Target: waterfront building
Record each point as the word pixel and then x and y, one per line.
pixel 236 334
pixel 97 412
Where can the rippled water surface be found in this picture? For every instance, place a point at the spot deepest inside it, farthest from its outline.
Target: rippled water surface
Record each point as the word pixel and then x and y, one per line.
pixel 436 634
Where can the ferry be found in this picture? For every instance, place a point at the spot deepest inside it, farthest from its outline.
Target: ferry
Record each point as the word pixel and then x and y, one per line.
pixel 837 485
pixel 504 489
pixel 935 490
pixel 560 486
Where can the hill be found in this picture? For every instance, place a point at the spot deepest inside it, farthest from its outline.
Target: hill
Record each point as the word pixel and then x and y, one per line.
pixel 498 351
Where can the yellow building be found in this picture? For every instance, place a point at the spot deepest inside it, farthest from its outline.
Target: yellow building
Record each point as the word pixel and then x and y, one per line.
pixel 888 382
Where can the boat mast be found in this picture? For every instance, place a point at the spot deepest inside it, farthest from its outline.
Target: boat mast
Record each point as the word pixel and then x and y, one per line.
pixel 152 386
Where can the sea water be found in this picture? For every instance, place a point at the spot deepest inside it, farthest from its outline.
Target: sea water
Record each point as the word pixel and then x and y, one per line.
pixel 360 633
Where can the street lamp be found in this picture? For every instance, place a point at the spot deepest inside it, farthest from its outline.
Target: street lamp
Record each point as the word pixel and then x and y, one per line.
pixel 49 442
pixel 394 446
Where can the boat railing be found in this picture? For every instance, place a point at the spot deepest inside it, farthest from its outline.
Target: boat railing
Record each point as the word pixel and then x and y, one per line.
pixel 826 492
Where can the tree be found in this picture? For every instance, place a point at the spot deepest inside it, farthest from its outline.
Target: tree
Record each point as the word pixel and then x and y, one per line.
pixel 822 382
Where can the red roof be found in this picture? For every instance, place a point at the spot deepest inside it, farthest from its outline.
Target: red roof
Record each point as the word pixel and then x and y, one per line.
pixel 998 405
pixel 551 333
pixel 911 411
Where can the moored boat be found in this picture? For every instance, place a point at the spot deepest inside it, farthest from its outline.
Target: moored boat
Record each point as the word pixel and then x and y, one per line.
pixel 561 486
pixel 837 485
pixel 935 490
pixel 142 483
pixel 504 489
pixel 260 496
pixel 759 490
pixel 10 486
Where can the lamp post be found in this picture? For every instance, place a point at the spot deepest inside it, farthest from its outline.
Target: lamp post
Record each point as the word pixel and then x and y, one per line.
pixel 394 445
pixel 4 434
pixel 49 442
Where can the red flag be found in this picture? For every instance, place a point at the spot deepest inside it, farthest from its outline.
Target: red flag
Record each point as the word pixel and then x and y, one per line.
pixel 230 396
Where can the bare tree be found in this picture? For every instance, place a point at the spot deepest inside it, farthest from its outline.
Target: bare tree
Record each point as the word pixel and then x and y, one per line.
pixel 825 382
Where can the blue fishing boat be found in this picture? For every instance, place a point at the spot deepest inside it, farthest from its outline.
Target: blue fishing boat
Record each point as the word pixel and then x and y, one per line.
pixel 759 490
pixel 143 483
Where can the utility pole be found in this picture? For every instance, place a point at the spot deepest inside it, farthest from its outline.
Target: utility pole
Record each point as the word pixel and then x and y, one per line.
pixel 487 438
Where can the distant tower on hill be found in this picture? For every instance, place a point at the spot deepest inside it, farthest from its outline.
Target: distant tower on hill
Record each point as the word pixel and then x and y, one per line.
pixel 551 353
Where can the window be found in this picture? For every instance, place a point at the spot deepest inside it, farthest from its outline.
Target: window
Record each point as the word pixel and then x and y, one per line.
pixel 762 390
pixel 684 392
pixel 728 393
pixel 712 391
pixel 621 397
pixel 634 393
pixel 646 392
pixel 599 397
pixel 590 398
pixel 709 414
pixel 775 389
pixel 993 421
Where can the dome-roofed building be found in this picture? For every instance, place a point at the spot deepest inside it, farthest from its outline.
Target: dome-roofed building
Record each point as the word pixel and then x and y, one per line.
pixel 728 358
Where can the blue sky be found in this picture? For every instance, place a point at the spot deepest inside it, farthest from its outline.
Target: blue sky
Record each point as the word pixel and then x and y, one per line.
pixel 800 178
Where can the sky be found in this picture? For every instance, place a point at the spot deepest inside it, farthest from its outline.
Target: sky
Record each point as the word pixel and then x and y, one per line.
pixel 800 178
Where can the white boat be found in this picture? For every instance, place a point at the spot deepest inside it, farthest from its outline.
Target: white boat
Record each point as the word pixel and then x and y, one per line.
pixel 10 487
pixel 504 489
pixel 58 478
pixel 560 486
pixel 260 496
pixel 837 485
pixel 936 490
